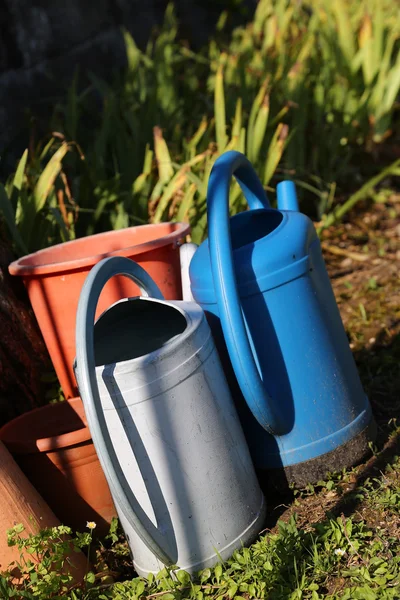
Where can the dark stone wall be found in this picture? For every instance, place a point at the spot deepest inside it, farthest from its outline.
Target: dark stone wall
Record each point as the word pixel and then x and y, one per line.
pixel 42 42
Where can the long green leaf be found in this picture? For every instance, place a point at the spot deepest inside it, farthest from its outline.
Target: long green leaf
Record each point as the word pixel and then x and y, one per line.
pixel 275 151
pixel 48 177
pixel 133 53
pixel 163 157
pixel 20 172
pixel 367 44
pixel 392 86
pixel 186 203
pixel 176 183
pixel 237 122
pixel 362 193
pixel 378 92
pixel 219 109
pixel 46 149
pixel 9 217
pixel 18 180
pixel 192 144
pixel 260 127
pixel 344 29
pixel 254 112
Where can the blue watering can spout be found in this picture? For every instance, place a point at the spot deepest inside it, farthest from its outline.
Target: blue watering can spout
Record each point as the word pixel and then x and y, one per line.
pixel 286 196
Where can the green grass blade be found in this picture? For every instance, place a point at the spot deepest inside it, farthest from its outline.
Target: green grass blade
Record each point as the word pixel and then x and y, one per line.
pixel 276 149
pixel 163 157
pixel 392 86
pixel 253 116
pixel 362 193
pixel 195 139
pixel 9 217
pixel 18 180
pixel 133 53
pixel 237 121
pixel 378 34
pixel 219 110
pixel 186 204
pixel 176 184
pixel 46 149
pixel 260 127
pixel 48 177
pixel 242 141
pixel 140 181
pixel 366 44
pixel 19 173
pixel 344 29
pixel 384 66
pixel 64 233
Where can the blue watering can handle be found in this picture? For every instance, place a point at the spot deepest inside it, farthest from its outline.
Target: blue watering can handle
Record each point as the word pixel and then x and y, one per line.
pixel 229 306
pixel 88 387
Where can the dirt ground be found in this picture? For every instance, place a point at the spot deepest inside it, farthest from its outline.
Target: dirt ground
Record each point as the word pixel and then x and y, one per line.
pixel 363 259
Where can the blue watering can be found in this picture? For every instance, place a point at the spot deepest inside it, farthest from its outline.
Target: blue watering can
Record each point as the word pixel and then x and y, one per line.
pixel 261 279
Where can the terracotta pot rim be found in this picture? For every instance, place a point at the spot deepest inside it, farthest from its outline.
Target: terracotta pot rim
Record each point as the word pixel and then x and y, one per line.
pixel 48 444
pixel 32 270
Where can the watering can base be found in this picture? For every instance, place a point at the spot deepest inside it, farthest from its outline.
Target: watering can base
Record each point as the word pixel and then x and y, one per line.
pixel 244 539
pixel 348 455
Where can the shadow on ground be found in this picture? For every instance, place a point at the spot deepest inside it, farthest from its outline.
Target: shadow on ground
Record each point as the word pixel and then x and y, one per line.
pixel 379 370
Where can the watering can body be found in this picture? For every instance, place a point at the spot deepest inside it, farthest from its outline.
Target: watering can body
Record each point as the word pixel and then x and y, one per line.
pixel 165 428
pixel 301 401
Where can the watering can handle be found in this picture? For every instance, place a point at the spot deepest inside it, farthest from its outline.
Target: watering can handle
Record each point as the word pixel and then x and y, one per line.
pixel 222 266
pixel 86 371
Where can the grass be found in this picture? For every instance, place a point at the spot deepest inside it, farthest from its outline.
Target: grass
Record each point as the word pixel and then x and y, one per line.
pixel 336 556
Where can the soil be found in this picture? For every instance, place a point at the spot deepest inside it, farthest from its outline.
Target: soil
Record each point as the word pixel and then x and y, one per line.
pixel 362 256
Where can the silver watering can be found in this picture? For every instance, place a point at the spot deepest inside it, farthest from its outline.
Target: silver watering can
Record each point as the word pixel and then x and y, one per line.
pixel 164 426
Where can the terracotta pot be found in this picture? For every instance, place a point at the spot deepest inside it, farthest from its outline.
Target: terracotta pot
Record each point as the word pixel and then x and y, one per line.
pixel 21 503
pixel 54 278
pixel 53 447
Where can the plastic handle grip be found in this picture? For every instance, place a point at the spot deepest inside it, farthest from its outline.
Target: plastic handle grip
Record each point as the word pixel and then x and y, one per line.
pixel 88 387
pixel 230 311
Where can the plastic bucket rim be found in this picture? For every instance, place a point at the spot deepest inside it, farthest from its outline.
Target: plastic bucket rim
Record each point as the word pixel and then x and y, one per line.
pixel 50 443
pixel 48 268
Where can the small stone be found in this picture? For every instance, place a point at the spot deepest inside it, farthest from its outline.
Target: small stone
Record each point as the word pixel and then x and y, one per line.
pixel 347 262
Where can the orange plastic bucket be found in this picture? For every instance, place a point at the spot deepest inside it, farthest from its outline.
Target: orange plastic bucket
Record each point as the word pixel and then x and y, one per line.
pixel 54 278
pixel 53 447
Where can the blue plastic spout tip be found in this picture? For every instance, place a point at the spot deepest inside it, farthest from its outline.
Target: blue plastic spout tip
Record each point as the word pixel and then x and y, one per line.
pixel 286 196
